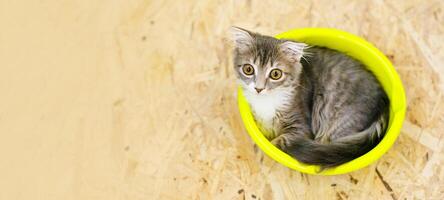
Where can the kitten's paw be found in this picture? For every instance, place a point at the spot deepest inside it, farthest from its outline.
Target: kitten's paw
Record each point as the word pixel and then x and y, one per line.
pixel 279 142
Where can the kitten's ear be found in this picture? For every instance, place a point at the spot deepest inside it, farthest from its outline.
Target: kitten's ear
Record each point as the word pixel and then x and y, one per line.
pixel 242 38
pixel 293 50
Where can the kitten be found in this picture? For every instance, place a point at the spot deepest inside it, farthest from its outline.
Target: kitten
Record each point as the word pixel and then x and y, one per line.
pixel 316 104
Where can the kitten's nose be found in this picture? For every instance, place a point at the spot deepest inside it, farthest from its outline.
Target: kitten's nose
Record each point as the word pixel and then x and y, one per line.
pixel 259 89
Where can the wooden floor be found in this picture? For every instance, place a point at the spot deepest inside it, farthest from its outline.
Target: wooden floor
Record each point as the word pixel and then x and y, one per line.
pixel 136 100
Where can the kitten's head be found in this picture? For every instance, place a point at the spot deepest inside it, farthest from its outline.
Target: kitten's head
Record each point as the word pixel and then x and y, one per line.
pixel 264 64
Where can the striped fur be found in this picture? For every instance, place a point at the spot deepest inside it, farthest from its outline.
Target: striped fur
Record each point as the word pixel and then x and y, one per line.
pixel 326 110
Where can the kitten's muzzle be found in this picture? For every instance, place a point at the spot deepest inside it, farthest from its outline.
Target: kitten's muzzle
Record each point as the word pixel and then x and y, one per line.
pixel 258 90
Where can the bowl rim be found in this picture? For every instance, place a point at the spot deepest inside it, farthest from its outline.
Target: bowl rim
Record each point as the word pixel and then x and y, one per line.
pixel 355 45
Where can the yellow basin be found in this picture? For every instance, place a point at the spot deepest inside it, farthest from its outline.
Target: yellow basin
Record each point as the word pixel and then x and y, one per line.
pixel 375 61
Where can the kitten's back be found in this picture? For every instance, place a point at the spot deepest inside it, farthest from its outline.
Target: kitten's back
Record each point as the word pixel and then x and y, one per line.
pixel 348 98
pixel 349 110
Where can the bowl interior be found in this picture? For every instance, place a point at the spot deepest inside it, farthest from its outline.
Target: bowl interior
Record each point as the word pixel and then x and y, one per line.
pixel 375 61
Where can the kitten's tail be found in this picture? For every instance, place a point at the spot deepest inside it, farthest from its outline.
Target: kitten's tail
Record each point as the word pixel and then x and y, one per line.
pixel 340 151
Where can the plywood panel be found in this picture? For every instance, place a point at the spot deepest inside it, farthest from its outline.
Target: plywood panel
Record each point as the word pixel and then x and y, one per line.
pixel 136 100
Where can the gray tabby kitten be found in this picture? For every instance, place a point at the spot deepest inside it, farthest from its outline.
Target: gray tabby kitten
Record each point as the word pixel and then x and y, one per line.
pixel 316 104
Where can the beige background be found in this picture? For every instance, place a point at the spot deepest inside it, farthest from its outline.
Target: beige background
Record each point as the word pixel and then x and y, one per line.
pixel 136 100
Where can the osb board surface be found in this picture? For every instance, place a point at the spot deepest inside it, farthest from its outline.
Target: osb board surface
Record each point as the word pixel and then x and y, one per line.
pixel 136 100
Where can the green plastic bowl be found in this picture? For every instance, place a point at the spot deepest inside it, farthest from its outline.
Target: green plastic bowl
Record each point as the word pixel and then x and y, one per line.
pixel 375 61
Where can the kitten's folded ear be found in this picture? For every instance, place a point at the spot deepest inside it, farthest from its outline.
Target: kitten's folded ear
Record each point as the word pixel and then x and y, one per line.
pixel 242 38
pixel 293 50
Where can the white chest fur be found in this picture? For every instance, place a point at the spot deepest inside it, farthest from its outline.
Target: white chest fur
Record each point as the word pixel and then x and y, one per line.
pixel 265 106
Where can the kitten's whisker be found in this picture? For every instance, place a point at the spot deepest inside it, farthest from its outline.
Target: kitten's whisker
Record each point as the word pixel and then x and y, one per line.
pixel 306 89
pixel 306 60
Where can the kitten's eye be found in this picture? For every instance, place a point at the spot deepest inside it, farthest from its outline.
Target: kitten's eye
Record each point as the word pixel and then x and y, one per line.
pixel 275 74
pixel 248 69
